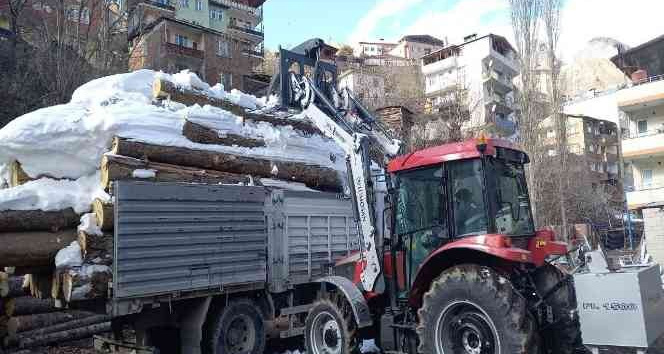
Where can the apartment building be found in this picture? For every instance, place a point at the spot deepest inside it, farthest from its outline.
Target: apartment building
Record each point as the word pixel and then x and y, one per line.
pixel 596 142
pixel 643 143
pixel 220 40
pixel 417 46
pixel 481 71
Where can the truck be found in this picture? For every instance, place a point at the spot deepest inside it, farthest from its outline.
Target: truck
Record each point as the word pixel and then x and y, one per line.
pixel 438 254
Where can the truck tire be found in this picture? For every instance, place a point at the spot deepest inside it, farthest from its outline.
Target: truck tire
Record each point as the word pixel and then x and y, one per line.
pixel 564 335
pixel 236 328
pixel 471 309
pixel 329 328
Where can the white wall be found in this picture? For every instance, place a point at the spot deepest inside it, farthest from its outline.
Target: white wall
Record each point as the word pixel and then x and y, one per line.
pixel 415 50
pixel 653 225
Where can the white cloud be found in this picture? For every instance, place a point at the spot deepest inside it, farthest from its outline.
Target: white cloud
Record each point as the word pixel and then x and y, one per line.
pixel 464 18
pixel 627 21
pixel 384 9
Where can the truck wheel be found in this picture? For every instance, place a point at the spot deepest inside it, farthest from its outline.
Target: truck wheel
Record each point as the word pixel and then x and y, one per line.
pixel 237 328
pixel 470 309
pixel 564 335
pixel 329 329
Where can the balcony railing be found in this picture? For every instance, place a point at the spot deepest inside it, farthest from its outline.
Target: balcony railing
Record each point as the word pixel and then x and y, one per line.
pixel 252 53
pixel 650 132
pixel 238 6
pixel 246 30
pixel 644 195
pixel 649 79
pixel 173 48
pixel 164 4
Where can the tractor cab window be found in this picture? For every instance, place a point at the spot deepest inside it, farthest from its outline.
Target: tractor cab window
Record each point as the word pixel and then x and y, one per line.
pixel 467 189
pixel 511 202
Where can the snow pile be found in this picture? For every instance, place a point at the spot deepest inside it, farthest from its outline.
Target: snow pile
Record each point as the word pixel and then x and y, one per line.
pixel 141 173
pixel 69 256
pixel 89 225
pixel 68 141
pixel 50 195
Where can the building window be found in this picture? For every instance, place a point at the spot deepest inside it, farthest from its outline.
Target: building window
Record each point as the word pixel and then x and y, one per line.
pixel 82 16
pixel 642 126
pixel 216 14
pixel 199 5
pixel 223 49
pixel 551 134
pixel 646 178
pixel 181 40
pixel 184 3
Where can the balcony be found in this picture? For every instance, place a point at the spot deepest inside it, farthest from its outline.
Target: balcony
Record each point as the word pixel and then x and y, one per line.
pixel 249 31
pixel 440 65
pixel 647 143
pixel 253 11
pixel 164 4
pixel 647 94
pixel 252 53
pixel 643 195
pixel 503 104
pixel 507 62
pixel 172 48
pixel 499 83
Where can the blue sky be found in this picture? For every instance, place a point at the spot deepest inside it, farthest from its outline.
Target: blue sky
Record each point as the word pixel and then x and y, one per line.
pixel 289 22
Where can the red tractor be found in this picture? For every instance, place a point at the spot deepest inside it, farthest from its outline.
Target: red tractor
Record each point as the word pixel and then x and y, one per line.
pixel 460 268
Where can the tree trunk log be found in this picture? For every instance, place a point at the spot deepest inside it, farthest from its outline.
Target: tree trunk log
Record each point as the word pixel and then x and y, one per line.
pixel 84 322
pixel 203 135
pixel 103 211
pixel 4 284
pixel 33 249
pixel 78 286
pixel 317 177
pixel 68 335
pixel 115 167
pixel 27 305
pixel 8 306
pixel 37 220
pixel 31 322
pixel 17 176
pixel 97 246
pixel 163 89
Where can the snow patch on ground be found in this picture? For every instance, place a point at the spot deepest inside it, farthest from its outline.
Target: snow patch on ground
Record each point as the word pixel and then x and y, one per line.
pixel 69 256
pixel 48 194
pixel 141 173
pixel 89 225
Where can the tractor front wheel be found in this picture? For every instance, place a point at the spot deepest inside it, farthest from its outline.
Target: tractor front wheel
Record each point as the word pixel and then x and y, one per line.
pixel 470 309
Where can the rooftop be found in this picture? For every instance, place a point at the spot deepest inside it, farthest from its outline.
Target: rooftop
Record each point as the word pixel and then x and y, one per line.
pixel 422 38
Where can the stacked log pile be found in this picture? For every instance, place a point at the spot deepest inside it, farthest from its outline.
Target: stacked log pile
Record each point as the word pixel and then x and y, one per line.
pixel 30 239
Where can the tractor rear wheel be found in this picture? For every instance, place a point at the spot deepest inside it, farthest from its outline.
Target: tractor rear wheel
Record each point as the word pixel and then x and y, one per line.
pixel 564 335
pixel 470 309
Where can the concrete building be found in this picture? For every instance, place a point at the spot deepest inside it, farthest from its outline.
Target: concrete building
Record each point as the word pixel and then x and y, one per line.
pixel 375 48
pixel 416 46
pixel 597 141
pixel 220 40
pixel 643 143
pixel 482 69
pixel 368 87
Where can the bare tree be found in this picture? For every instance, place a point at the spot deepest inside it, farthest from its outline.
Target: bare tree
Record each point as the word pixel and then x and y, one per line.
pixel 551 12
pixel 525 16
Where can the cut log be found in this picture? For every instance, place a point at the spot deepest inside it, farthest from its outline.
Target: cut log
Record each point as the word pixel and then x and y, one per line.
pixel 316 177
pixel 37 220
pixel 68 335
pixel 8 307
pixel 97 249
pixel 40 285
pixel 33 249
pixel 31 322
pixel 86 283
pixel 163 89
pixel 84 322
pixel 103 210
pixel 16 286
pixel 17 176
pixel 8 327
pixel 115 167
pixel 27 305
pixel 204 135
pixel 4 284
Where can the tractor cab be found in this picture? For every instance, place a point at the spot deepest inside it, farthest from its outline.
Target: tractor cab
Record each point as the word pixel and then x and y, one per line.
pixel 455 191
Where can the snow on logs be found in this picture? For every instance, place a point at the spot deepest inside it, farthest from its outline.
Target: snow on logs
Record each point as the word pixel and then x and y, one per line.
pixel 317 177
